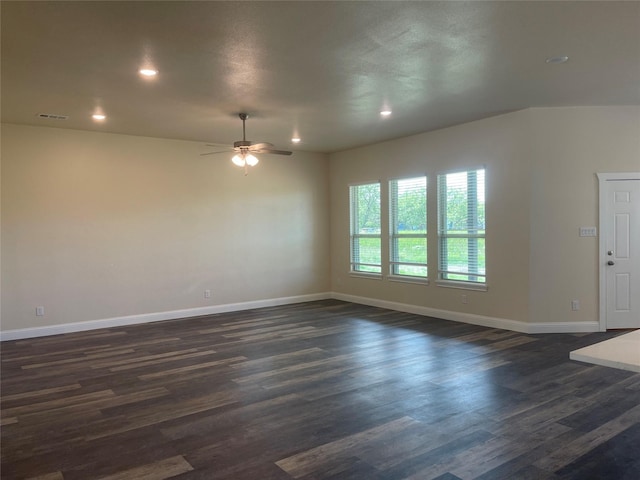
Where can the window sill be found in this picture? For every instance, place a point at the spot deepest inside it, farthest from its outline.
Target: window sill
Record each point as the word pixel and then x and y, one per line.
pixel 371 276
pixel 482 287
pixel 408 279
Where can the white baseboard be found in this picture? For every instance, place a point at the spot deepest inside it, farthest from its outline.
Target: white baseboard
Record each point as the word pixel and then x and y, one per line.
pixel 564 327
pixel 155 317
pixel 492 322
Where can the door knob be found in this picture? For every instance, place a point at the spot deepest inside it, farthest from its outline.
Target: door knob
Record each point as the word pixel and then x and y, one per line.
pixel 610 252
pixel 611 262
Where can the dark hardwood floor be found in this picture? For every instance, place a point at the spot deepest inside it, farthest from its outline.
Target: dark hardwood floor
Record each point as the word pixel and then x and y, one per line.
pixel 320 390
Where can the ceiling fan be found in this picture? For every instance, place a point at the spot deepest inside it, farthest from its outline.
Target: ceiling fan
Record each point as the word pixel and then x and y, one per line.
pixel 245 148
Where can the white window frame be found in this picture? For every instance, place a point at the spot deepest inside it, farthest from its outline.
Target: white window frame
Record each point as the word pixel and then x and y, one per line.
pixel 355 236
pixel 395 236
pixel 472 234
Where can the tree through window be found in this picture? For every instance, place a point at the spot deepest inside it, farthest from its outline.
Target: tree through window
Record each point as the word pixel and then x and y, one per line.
pixel 408 226
pixel 365 228
pixel 461 226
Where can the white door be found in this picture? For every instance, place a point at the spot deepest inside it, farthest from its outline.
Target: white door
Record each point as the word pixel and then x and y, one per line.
pixel 620 250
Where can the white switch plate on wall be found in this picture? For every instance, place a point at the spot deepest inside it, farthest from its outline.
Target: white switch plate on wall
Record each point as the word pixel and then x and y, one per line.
pixel 588 232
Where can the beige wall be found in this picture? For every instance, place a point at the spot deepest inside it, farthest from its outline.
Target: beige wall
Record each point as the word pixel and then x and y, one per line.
pixel 541 187
pixel 502 146
pixel 96 226
pixel 570 146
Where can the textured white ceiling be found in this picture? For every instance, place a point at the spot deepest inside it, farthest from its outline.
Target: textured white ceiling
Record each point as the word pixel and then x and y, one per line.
pixel 320 70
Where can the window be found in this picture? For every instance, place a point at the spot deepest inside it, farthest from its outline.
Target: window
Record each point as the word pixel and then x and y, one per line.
pixel 461 227
pixel 408 227
pixel 365 228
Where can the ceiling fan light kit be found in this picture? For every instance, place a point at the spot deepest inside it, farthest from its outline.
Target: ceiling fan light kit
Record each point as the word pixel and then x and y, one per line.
pixel 242 159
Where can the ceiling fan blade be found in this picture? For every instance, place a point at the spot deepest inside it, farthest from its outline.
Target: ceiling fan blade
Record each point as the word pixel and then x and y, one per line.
pixel 244 146
pixel 265 147
pixel 261 146
pixel 213 153
pixel 272 151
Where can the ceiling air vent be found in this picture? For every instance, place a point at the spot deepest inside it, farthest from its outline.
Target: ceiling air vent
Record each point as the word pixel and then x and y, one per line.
pixel 52 116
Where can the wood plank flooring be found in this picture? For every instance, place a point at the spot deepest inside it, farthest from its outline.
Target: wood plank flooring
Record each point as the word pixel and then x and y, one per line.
pixel 314 391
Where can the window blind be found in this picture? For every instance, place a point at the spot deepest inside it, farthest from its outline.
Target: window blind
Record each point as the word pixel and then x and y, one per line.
pixel 461 226
pixel 365 222
pixel 408 227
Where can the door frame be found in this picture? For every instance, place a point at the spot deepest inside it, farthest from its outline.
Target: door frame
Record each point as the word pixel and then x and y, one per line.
pixel 603 178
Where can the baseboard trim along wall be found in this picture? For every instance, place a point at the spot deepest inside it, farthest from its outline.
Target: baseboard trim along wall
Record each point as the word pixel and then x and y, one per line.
pixel 492 322
pixel 156 317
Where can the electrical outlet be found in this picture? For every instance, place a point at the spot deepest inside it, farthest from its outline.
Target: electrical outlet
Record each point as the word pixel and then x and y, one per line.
pixel 39 311
pixel 464 299
pixel 575 305
pixel 207 293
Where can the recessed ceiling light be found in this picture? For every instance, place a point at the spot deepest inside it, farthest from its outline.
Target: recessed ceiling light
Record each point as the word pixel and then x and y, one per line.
pixel 148 72
pixel 385 113
pixel 558 59
pixel 295 140
pixel 98 116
